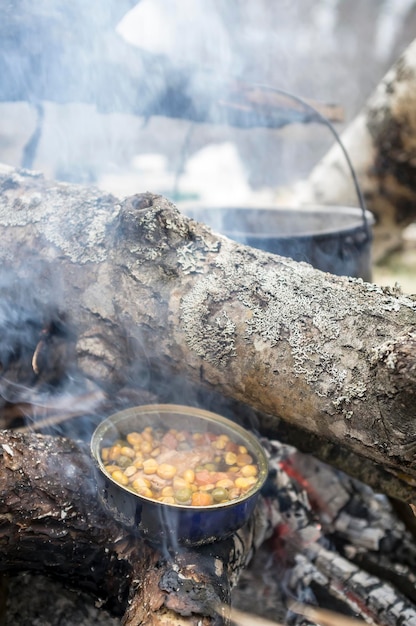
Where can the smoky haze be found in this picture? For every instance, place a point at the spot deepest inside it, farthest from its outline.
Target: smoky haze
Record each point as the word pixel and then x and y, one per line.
pixel 95 71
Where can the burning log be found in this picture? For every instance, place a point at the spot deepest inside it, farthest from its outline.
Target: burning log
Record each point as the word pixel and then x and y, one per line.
pixel 154 294
pixel 51 521
pixel 380 142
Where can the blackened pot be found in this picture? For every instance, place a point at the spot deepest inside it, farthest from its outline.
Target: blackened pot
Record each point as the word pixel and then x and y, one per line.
pixel 333 239
pixel 167 524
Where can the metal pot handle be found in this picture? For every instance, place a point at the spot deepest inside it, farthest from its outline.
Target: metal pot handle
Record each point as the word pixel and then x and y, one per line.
pixel 318 117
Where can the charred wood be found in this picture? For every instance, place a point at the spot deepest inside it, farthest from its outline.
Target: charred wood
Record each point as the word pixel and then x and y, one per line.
pixel 319 523
pixel 52 521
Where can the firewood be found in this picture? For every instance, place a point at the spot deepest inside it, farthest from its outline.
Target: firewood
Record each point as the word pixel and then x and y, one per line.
pixel 325 618
pixel 156 296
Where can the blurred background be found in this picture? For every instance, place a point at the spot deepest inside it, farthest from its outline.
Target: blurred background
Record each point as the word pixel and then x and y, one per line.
pixel 333 51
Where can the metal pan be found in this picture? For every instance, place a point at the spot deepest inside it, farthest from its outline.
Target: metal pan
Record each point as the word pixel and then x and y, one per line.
pixel 169 524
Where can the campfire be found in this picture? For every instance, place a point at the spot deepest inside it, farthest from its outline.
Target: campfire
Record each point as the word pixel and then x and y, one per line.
pixel 196 431
pixel 258 337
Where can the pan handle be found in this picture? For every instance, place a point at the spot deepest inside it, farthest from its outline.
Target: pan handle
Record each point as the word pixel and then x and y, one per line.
pixel 318 117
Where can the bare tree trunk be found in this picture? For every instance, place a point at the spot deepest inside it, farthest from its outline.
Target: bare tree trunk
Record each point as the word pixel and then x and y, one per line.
pixel 148 290
pixel 381 143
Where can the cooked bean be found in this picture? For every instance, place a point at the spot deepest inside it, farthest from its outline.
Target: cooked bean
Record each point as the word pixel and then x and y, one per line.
pixel 211 467
pixel 230 458
pixel 166 471
pixel 104 453
pixel 177 466
pixel 140 481
pixel 127 451
pixel 111 468
pixel 208 487
pixel 130 471
pixel 120 477
pixel 146 447
pixel 225 483
pixel 134 439
pixel 183 495
pixel 244 459
pixel 189 475
pixel 123 461
pixel 150 466
pixel 114 453
pixel 249 470
pixel 179 482
pixel 145 492
pixel 244 483
pixel 219 494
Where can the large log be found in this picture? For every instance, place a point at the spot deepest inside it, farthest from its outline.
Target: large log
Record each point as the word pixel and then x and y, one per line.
pixel 381 144
pixel 150 293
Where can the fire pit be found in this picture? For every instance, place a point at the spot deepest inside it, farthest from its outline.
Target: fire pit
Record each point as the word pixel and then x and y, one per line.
pixel 221 465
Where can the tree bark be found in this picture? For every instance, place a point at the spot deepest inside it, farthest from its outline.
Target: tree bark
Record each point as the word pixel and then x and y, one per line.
pixel 149 292
pixel 381 144
pixel 51 521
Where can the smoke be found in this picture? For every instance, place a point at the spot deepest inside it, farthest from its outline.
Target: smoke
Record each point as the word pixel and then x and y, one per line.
pixel 40 383
pixel 183 31
pixel 96 68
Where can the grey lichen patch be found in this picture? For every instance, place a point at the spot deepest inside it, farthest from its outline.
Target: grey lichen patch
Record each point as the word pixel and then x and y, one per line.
pixel 211 337
pixel 148 224
pixel 162 216
pixel 86 239
pixel 392 298
pixel 177 224
pixel 167 236
pixel 385 353
pixel 144 253
pixel 295 304
pixel 191 259
pixel 192 256
pixel 54 216
pixel 354 391
pixel 287 311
